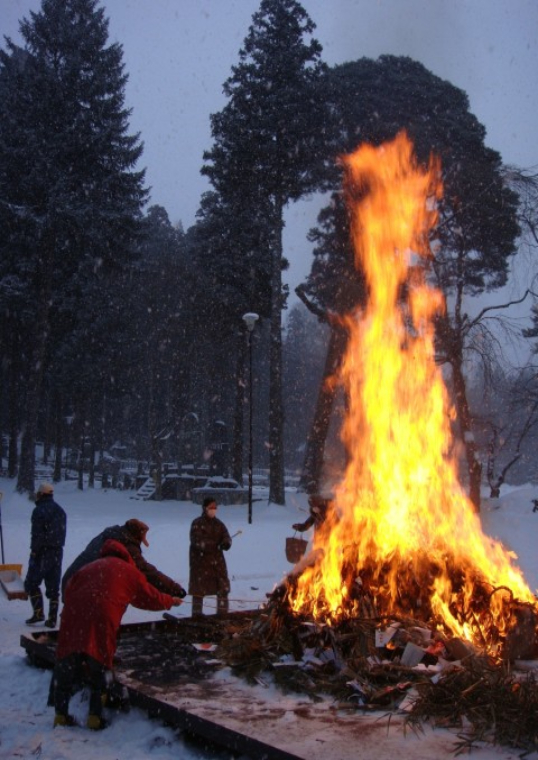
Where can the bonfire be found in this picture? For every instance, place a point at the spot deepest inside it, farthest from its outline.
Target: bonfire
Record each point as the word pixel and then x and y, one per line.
pixel 402 591
pixel 401 532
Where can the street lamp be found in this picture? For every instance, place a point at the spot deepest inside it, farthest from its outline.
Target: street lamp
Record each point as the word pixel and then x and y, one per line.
pixel 250 319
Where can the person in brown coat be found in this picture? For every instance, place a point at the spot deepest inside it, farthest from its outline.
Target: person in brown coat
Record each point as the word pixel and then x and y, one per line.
pixel 209 538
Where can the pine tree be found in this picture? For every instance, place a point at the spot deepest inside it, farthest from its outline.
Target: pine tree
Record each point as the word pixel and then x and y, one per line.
pixel 270 144
pixel 478 228
pixel 70 196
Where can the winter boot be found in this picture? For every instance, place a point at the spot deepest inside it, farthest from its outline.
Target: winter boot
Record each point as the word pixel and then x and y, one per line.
pixel 97 723
pixel 63 720
pixel 197 603
pixel 117 697
pixel 36 601
pixel 50 622
pixel 222 605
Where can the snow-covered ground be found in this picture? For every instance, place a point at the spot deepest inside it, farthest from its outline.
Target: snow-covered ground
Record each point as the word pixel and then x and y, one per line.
pixel 256 563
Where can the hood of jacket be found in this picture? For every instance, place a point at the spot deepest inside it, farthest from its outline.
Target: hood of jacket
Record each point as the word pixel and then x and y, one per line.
pixel 112 548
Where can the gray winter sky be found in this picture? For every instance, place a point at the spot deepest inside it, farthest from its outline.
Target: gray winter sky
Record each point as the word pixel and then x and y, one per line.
pixel 178 53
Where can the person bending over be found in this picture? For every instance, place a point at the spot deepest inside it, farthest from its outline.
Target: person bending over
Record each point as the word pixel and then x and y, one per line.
pixel 96 598
pixel 132 534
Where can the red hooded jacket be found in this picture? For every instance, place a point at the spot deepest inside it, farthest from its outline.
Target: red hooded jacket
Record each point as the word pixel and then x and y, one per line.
pixel 96 598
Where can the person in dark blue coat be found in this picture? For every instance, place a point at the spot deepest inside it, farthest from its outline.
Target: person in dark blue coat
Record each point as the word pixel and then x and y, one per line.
pixel 131 535
pixel 46 554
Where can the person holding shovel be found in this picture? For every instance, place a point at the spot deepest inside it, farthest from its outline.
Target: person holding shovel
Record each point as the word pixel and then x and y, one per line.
pixel 46 554
pixel 209 539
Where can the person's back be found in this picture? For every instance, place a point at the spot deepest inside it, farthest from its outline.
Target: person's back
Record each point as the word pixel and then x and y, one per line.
pixel 93 551
pixel 131 535
pixel 48 524
pixel 96 599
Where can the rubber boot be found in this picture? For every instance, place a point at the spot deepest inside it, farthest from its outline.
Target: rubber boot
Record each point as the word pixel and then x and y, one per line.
pixel 97 722
pixel 117 697
pixel 197 604
pixel 222 605
pixel 36 601
pixel 64 720
pixel 50 622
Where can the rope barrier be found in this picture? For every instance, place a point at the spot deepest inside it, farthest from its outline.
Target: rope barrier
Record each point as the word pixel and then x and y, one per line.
pixel 208 601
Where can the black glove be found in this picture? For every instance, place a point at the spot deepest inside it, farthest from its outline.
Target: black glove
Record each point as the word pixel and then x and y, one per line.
pixel 297 526
pixel 225 546
pixel 182 593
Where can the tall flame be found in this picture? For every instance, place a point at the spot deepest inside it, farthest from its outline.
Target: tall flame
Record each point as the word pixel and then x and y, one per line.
pixel 400 523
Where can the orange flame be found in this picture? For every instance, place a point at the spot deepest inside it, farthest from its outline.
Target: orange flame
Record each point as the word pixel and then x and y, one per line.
pixel 400 523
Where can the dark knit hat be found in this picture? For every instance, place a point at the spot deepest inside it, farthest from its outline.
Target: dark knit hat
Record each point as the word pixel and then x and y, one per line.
pixel 138 530
pixel 208 500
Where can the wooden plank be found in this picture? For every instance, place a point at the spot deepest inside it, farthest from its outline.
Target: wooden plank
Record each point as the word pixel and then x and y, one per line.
pixel 166 676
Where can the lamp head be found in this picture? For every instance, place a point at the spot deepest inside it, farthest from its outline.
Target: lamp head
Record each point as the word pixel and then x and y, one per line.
pixel 250 319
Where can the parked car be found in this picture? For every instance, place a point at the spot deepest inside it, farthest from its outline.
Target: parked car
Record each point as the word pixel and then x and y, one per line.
pixel 223 490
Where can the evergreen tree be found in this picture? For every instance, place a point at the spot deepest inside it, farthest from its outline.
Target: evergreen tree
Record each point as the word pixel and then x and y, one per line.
pixel 69 194
pixel 270 144
pixel 476 236
pixel 160 306
pixel 224 245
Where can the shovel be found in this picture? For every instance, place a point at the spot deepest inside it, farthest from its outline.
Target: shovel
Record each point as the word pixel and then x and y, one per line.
pixel 10 575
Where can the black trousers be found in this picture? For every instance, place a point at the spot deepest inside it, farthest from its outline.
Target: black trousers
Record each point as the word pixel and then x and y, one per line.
pixel 46 566
pixel 71 673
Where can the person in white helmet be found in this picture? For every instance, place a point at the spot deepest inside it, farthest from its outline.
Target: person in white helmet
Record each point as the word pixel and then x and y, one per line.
pixel 46 554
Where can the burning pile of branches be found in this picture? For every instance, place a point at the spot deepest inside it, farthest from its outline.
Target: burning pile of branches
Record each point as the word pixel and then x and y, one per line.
pixel 372 664
pixel 487 615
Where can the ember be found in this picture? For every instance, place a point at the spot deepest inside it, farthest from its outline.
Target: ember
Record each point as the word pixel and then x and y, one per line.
pixel 401 537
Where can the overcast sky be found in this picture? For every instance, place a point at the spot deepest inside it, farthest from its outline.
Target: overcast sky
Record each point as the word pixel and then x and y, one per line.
pixel 178 53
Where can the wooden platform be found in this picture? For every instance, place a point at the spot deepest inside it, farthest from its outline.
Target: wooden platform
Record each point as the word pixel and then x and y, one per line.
pixel 174 678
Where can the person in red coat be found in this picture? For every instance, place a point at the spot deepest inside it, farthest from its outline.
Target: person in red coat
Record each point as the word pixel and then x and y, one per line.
pixel 96 598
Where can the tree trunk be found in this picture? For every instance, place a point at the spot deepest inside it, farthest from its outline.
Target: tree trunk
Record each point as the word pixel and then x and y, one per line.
pixel 26 478
pixel 13 416
pixel 80 470
pixel 58 440
pixel 315 445
pixel 91 463
pixel 276 410
pixel 474 468
pixel 47 443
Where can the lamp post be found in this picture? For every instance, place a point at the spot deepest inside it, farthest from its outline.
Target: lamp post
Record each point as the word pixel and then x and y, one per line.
pixel 250 319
